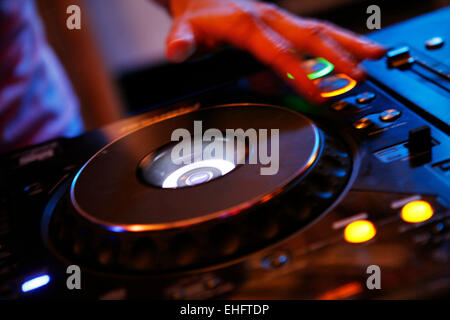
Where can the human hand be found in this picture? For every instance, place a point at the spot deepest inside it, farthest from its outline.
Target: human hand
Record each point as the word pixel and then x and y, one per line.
pixel 271 34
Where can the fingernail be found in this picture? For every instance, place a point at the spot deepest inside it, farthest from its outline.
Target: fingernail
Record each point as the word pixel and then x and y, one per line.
pixel 180 50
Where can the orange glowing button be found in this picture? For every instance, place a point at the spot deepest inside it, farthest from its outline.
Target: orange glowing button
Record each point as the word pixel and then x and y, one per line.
pixel 417 211
pixel 335 85
pixel 342 292
pixel 136 228
pixel 359 231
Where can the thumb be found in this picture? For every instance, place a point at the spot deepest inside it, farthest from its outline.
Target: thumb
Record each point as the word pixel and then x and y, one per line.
pixel 180 43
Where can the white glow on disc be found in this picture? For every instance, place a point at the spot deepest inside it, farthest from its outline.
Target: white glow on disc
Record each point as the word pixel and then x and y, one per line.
pixel 222 165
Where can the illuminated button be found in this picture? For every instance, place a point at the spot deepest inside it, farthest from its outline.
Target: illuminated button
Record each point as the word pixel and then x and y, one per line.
pixel 390 115
pixel 35 283
pixel 359 231
pixel 275 261
pixel 417 211
pixel 335 85
pixel 363 123
pixel 342 292
pixel 317 68
pixel 434 43
pixel 340 105
pixel 365 97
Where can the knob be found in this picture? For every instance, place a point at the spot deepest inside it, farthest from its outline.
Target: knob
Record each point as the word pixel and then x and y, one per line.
pixel 390 115
pixel 365 97
pixel 363 124
pixel 434 43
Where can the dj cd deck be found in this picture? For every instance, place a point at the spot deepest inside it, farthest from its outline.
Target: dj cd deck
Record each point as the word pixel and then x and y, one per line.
pixel 361 188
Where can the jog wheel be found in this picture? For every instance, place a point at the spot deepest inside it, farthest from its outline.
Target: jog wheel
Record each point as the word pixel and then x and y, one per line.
pixel 147 204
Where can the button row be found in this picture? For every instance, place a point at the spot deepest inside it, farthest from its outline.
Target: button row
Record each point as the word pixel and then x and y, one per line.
pixel 347 103
pixel 387 116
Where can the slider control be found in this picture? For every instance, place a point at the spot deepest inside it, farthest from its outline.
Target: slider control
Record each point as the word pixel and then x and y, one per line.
pixel 420 140
pixel 400 57
pixel 419 145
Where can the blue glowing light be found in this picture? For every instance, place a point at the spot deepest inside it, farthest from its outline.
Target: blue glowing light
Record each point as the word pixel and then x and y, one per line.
pixel 116 228
pixel 35 283
pixel 282 258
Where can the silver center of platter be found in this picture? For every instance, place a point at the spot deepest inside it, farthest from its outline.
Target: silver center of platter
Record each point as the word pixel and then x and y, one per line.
pixel 164 168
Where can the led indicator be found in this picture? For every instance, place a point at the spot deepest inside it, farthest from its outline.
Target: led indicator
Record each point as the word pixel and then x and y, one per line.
pixel 343 83
pixel 359 231
pixel 116 229
pixel 137 228
pixel 35 283
pixel 417 211
pixel 342 292
pixel 327 68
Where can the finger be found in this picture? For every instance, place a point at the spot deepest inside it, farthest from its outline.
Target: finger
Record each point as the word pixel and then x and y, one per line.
pixel 180 43
pixel 273 50
pixel 357 45
pixel 322 45
pixel 309 37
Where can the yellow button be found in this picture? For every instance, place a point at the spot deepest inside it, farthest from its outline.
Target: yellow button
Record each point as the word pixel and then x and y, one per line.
pixel 417 211
pixel 359 231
